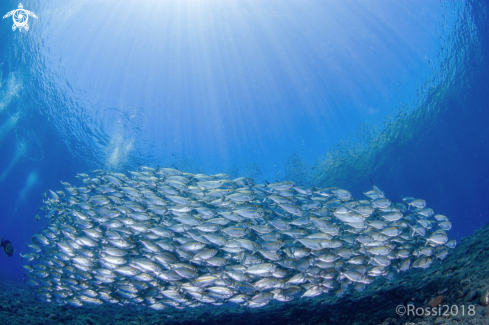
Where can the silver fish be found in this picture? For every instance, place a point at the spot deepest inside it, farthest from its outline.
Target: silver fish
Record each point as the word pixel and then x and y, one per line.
pixel 164 238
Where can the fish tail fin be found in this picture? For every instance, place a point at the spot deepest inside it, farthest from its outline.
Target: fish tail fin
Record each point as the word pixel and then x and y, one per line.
pixel 221 275
pixel 413 232
pixel 241 258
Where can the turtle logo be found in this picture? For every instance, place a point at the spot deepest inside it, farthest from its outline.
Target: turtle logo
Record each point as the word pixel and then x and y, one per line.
pixel 20 17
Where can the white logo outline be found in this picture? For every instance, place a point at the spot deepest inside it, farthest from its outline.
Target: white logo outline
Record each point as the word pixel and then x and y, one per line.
pixel 20 17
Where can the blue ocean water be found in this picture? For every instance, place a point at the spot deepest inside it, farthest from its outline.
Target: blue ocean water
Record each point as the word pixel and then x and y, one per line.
pixel 322 93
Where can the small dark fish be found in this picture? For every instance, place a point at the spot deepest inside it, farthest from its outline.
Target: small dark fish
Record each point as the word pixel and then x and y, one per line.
pixel 7 247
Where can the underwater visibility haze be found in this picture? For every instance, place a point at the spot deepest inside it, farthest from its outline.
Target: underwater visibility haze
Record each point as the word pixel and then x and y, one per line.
pixel 225 156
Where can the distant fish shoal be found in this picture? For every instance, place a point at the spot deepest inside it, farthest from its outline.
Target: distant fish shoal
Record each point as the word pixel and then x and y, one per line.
pixel 165 238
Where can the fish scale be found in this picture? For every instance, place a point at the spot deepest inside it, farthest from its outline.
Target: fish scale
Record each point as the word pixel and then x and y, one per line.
pixel 166 238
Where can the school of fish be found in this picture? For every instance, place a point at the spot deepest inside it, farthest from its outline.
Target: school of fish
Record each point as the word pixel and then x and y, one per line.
pixel 162 237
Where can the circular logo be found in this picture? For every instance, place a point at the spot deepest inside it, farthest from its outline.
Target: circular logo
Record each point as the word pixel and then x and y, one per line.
pixel 20 17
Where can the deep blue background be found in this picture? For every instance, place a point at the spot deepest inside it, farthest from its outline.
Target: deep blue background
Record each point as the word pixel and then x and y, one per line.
pixel 324 93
